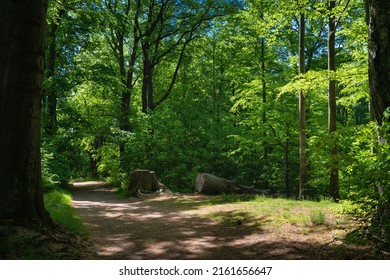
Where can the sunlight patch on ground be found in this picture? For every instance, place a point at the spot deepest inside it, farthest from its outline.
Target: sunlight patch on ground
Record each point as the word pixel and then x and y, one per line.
pixel 91 184
pixel 200 227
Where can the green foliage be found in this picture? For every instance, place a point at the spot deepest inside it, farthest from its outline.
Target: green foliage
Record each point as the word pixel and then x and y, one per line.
pixel 59 205
pixel 377 193
pixel 233 115
pixel 232 109
pixel 49 178
pixel 365 178
pixel 109 165
pixel 61 161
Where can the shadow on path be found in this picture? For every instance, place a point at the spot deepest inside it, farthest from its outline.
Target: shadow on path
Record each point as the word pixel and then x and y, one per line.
pixel 139 228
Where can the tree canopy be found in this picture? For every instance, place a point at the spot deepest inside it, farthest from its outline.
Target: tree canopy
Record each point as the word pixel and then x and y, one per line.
pixel 250 90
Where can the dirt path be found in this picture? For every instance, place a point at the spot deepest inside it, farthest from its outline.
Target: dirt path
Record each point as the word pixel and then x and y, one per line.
pixel 142 228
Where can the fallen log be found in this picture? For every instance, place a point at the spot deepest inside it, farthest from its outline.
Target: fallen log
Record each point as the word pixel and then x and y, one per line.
pixel 212 185
pixel 145 181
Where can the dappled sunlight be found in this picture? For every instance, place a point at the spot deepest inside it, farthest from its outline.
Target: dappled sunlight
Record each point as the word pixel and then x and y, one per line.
pixel 194 227
pixel 90 184
pixel 159 248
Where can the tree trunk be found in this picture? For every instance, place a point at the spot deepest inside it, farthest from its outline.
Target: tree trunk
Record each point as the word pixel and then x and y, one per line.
pixel 302 113
pixel 94 157
pixel 332 107
pixel 379 81
pixel 124 118
pixel 145 181
pixel 286 149
pixel 22 34
pixel 370 106
pixel 121 47
pixel 212 185
pixel 266 149
pixel 379 56
pixel 147 82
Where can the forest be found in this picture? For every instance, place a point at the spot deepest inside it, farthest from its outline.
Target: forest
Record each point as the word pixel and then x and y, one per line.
pixel 288 96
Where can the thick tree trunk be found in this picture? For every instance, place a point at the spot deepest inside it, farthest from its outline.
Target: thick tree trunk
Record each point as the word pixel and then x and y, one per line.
pixel 379 80
pixel 379 56
pixel 332 107
pixel 145 181
pixel 22 33
pixel 212 185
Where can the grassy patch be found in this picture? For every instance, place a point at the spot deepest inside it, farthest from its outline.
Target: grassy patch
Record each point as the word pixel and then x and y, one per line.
pixel 317 217
pixel 237 219
pixel 59 205
pixel 268 211
pixel 322 222
pixel 234 198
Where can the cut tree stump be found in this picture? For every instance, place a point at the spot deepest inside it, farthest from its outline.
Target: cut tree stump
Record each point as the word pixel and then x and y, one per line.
pixel 212 185
pixel 145 181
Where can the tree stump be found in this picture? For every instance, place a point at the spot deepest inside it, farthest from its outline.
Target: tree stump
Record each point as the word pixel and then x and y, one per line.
pixel 145 181
pixel 212 185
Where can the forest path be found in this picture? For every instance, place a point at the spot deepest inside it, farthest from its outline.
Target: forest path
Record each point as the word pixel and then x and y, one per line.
pixel 147 228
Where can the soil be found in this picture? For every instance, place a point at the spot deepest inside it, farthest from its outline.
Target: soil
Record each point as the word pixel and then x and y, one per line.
pixel 29 240
pixel 148 228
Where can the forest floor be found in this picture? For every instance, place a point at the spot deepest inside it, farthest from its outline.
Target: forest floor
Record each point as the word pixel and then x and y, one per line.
pixel 182 227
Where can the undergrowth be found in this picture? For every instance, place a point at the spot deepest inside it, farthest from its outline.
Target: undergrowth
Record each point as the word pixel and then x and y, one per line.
pixel 271 211
pixel 28 240
pixel 59 205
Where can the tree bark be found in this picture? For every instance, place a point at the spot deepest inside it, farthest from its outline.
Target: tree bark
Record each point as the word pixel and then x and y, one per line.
pixel 212 185
pixel 147 83
pixel 332 106
pixel 379 81
pixel 144 181
pixel 266 148
pixel 22 46
pixel 302 113
pixel 379 56
pixel 286 149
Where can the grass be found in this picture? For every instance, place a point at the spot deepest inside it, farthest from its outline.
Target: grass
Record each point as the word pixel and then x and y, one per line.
pixel 317 217
pixel 237 218
pixel 297 212
pixel 279 220
pixel 258 210
pixel 59 205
